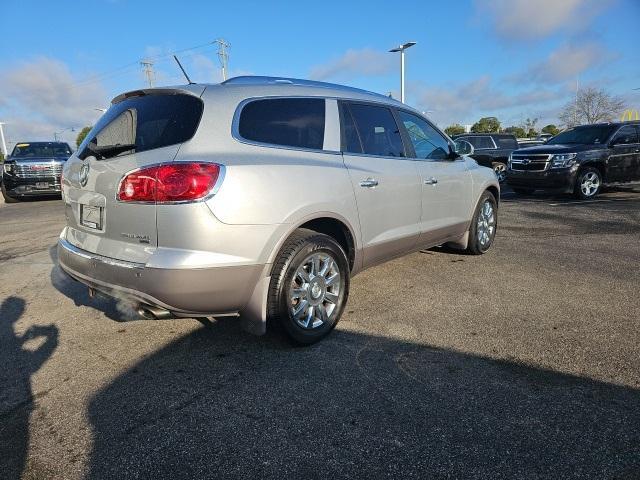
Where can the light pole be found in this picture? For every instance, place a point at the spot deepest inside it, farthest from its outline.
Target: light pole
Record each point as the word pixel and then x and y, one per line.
pixel 55 134
pixel 401 49
pixel 4 144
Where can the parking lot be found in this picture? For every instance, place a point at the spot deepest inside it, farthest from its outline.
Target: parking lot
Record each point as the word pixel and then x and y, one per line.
pixel 521 363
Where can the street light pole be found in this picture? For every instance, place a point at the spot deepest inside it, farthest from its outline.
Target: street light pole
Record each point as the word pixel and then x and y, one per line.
pixel 4 144
pixel 401 49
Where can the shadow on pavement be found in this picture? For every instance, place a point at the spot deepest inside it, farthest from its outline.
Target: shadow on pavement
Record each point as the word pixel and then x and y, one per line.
pixel 19 360
pixel 220 404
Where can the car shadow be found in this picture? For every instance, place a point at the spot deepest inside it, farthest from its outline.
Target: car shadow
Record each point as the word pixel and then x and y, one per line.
pixel 21 356
pixel 218 403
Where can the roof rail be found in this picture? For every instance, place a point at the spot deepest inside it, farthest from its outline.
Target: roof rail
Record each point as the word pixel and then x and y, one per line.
pixel 266 80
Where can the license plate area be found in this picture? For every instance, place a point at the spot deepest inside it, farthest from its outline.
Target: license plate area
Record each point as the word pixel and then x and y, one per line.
pixel 91 217
pixel 42 185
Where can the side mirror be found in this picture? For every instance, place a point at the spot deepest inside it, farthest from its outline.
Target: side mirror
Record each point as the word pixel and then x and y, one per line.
pixel 462 147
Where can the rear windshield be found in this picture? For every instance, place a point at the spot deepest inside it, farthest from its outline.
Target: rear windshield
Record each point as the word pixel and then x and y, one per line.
pixel 41 149
pixel 589 135
pixel 146 122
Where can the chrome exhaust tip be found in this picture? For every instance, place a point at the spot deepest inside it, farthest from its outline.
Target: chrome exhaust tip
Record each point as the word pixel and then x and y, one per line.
pixel 154 313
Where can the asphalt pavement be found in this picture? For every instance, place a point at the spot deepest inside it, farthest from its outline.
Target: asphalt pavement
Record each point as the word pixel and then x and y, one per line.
pixel 521 363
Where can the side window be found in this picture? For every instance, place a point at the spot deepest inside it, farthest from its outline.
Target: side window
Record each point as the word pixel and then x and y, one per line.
pixel 484 143
pixel 427 141
pixel 350 138
pixel 507 142
pixel 626 135
pixel 293 122
pixel 377 130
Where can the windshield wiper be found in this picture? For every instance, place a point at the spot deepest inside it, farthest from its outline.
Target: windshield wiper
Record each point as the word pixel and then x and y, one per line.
pixel 105 151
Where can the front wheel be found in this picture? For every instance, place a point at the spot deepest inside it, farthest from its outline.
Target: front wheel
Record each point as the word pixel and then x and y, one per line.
pixel 309 286
pixel 500 170
pixel 588 183
pixel 484 225
pixel 7 197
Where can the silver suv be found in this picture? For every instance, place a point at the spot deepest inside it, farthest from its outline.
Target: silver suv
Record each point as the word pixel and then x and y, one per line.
pixel 261 197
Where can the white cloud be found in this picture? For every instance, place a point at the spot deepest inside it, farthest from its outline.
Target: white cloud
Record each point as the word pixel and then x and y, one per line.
pixel 565 63
pixel 527 19
pixel 41 97
pixel 467 102
pixel 354 63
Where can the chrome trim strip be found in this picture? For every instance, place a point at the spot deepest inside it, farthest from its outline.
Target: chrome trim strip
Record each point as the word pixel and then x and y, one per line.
pixel 99 258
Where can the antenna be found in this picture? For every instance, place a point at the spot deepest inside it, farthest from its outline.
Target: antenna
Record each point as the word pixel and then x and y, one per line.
pixel 148 71
pixel 223 56
pixel 183 72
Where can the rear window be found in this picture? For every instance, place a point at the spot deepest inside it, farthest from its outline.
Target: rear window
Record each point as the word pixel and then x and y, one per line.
pixel 291 122
pixel 147 122
pixel 506 142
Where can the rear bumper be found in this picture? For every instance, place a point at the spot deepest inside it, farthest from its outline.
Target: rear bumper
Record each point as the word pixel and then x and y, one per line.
pixel 21 187
pixel 562 180
pixel 183 292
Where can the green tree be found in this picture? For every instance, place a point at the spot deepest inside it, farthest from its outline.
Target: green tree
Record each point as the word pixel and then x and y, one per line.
pixel 486 125
pixel 517 131
pixel 83 133
pixel 455 129
pixel 552 129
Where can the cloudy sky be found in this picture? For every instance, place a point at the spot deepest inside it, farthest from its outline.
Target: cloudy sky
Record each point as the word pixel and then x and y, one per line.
pixel 60 61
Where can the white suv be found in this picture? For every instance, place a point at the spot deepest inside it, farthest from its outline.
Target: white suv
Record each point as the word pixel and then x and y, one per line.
pixel 261 197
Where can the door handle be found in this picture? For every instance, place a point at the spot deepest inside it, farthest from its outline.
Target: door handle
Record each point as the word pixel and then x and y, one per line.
pixel 369 183
pixel 431 181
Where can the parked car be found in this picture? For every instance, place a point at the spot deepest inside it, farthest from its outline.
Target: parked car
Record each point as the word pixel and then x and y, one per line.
pixel 261 197
pixel 492 150
pixel 33 168
pixel 529 143
pixel 579 161
pixel 545 137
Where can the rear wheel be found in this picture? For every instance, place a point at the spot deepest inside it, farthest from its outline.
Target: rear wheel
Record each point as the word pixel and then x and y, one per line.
pixel 484 225
pixel 500 170
pixel 522 191
pixel 588 183
pixel 309 286
pixel 7 197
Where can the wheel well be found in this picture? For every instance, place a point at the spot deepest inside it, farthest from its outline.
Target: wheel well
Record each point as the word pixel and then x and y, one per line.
pixel 336 230
pixel 495 192
pixel 598 166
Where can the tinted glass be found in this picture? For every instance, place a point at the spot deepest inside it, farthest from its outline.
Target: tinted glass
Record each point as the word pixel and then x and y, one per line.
pixel 41 149
pixel 626 135
pixel 378 131
pixel 148 122
pixel 293 122
pixel 589 135
pixel 426 140
pixel 350 138
pixel 506 142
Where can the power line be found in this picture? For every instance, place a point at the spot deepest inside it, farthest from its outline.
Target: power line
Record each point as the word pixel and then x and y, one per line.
pixel 147 66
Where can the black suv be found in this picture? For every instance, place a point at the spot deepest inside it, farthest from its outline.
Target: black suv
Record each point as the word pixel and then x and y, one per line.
pixel 33 168
pixel 491 150
pixel 579 160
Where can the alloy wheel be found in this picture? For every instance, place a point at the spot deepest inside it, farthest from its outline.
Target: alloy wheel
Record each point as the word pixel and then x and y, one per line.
pixel 500 170
pixel 315 290
pixel 589 184
pixel 486 225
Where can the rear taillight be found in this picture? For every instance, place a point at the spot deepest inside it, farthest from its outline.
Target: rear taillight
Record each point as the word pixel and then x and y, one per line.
pixel 171 182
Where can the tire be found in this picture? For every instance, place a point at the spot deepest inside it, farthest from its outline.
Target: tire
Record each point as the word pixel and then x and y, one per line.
pixel 522 191
pixel 484 225
pixel 500 169
pixel 322 294
pixel 7 197
pixel 588 183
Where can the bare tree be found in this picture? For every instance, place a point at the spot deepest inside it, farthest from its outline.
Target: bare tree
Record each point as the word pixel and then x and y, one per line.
pixel 592 106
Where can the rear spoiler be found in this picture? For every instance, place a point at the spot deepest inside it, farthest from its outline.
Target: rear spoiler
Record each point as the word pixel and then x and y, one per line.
pixel 187 90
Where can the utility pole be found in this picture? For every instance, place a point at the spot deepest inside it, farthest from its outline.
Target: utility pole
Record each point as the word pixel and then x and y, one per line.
pixel 223 56
pixel 4 144
pixel 401 49
pixel 575 110
pixel 147 65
